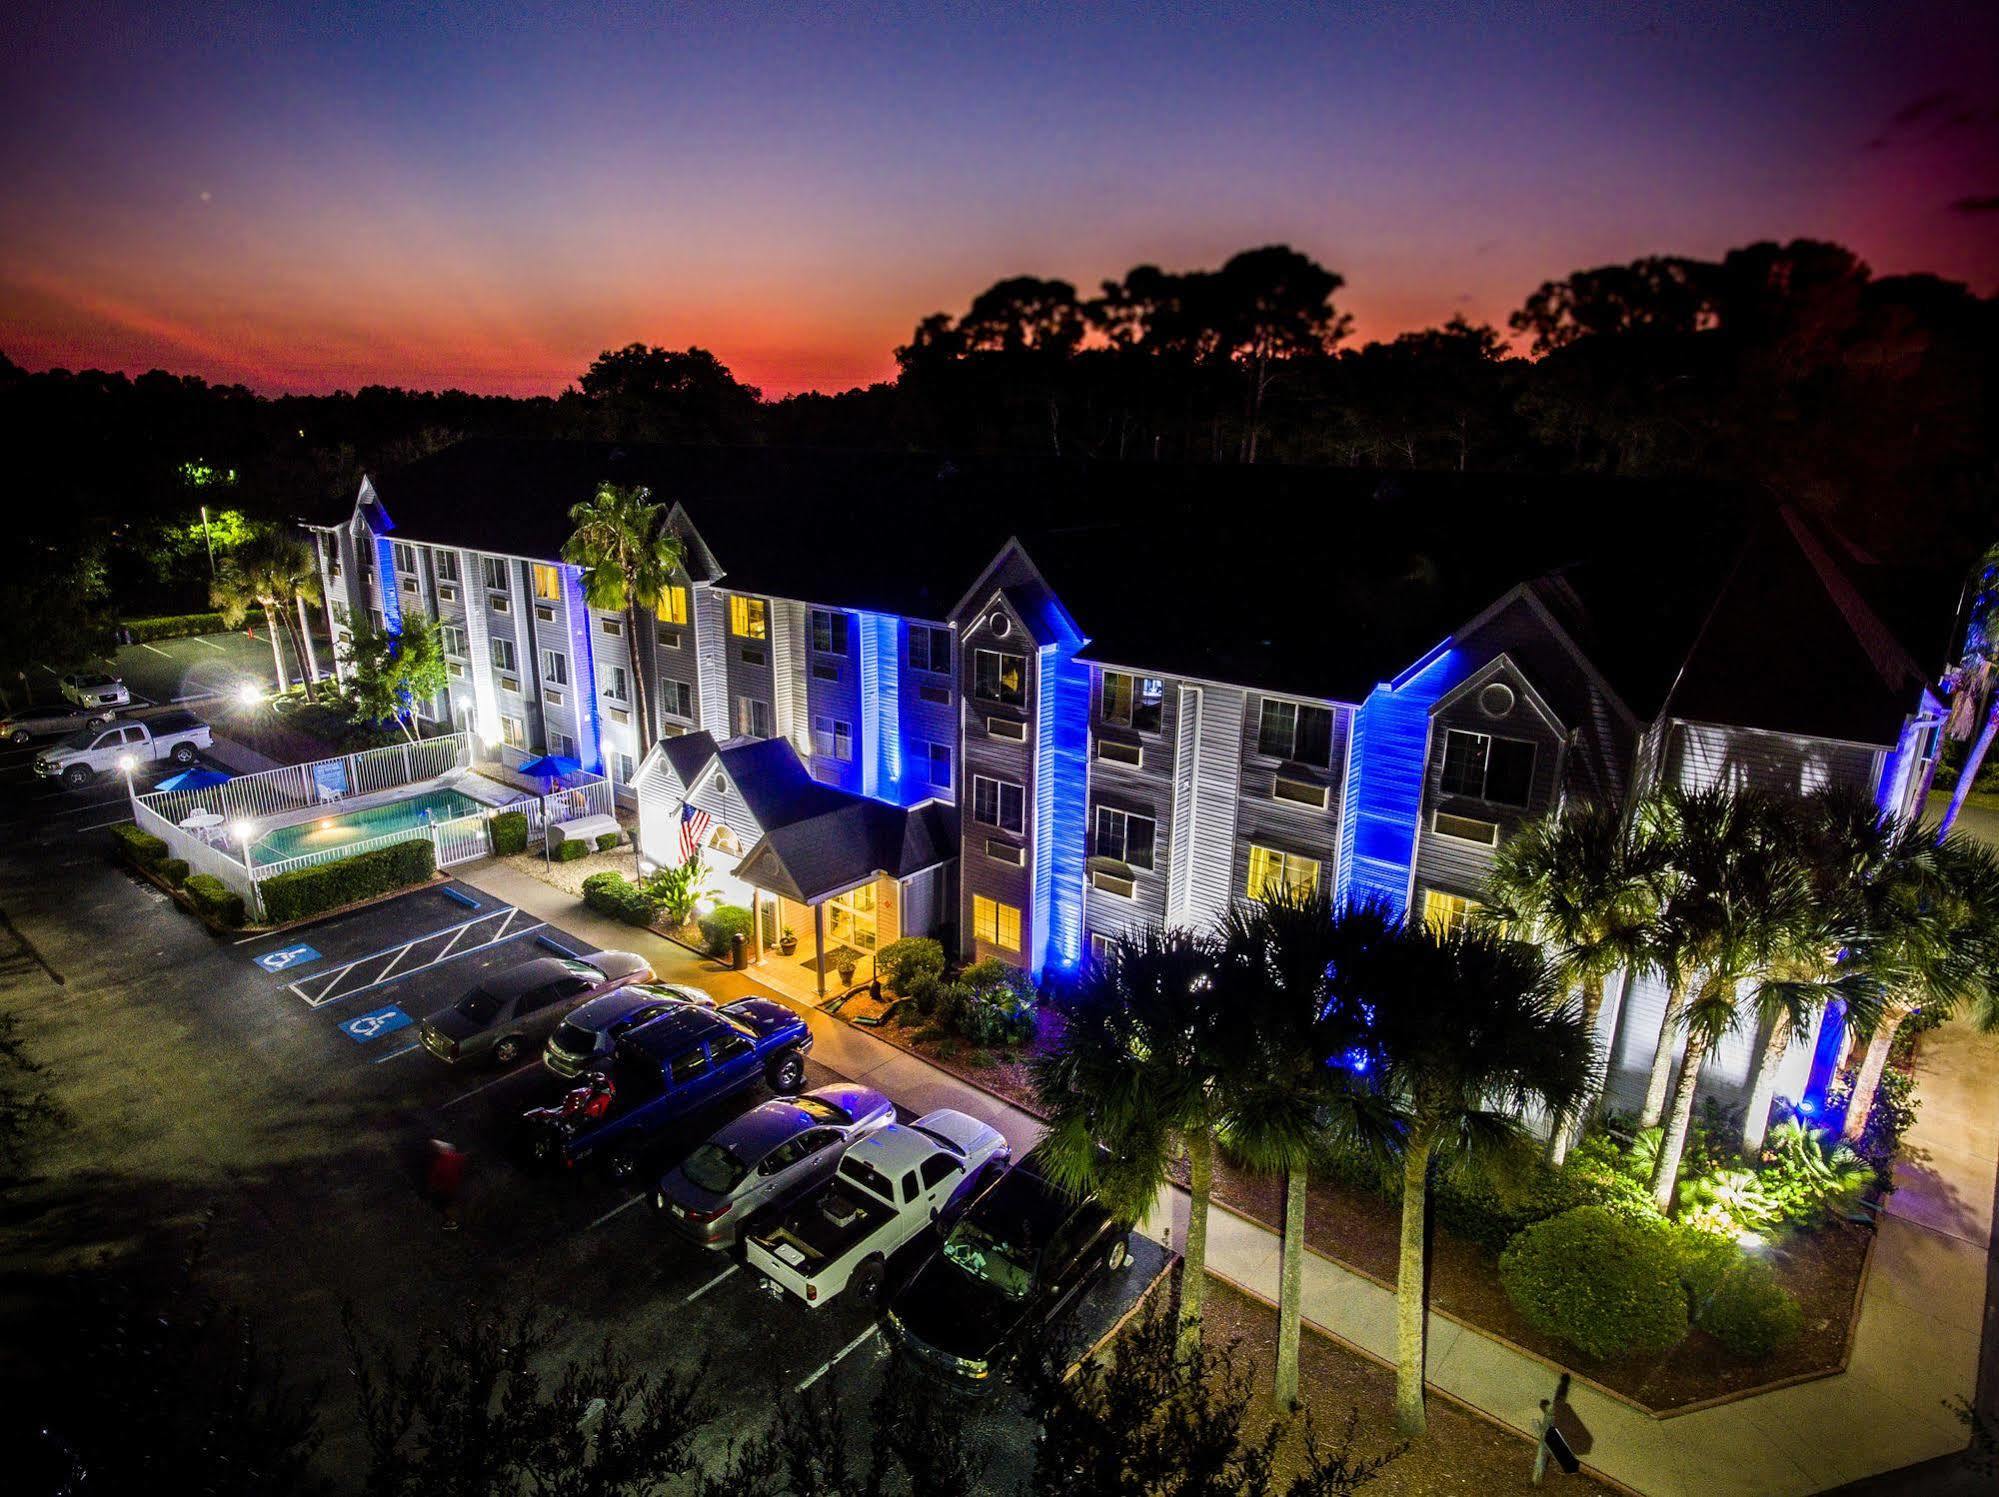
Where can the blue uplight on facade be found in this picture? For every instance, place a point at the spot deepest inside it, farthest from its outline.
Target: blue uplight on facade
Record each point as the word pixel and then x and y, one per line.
pixel 589 728
pixel 1383 801
pixel 389 585
pixel 881 703
pixel 1061 756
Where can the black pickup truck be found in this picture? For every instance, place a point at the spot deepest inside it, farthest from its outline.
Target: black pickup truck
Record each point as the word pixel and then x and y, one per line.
pixel 661 1071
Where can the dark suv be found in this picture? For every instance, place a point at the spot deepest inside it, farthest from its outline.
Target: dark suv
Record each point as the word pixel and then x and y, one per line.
pixel 1019 1256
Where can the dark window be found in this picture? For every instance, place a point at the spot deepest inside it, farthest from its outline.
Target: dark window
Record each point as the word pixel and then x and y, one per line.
pixel 998 803
pixel 940 765
pixel 929 649
pixel 823 671
pixel 829 632
pixel 930 691
pixel 1294 731
pixel 937 1169
pixel 676 698
pixel 909 1186
pixel 687 1067
pixel 1496 770
pixel 1125 837
pixel 730 1047
pixel 998 676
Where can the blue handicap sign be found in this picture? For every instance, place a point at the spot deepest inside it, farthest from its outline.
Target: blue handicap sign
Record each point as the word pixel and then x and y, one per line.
pixel 373 1026
pixel 288 958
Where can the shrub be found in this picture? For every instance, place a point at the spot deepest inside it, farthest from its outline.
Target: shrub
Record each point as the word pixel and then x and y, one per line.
pixel 510 833
pixel 312 891
pixel 923 993
pixel 610 841
pixel 140 848
pixel 174 626
pixel 1750 1313
pixel 1808 1180
pixel 173 870
pixel 677 890
pixel 903 963
pixel 568 850
pixel 1704 1261
pixel 1604 1285
pixel 617 896
pixel 722 923
pixel 990 1004
pixel 215 899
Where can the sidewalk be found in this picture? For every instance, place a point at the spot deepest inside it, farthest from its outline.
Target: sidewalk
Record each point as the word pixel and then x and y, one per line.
pixel 1917 1343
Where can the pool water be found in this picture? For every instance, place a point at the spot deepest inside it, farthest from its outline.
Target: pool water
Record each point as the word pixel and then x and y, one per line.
pixel 330 833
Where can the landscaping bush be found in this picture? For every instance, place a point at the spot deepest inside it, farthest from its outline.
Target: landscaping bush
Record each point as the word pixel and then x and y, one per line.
pixel 215 899
pixel 610 841
pixel 1750 1313
pixel 569 851
pixel 1704 1261
pixel 923 992
pixel 140 848
pixel 1607 1287
pixel 903 963
pixel 615 895
pixel 990 1004
pixel 174 626
pixel 676 890
pixel 510 833
pixel 717 927
pixel 173 870
pixel 312 891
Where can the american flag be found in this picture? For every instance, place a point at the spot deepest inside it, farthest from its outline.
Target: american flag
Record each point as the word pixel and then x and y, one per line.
pixel 693 826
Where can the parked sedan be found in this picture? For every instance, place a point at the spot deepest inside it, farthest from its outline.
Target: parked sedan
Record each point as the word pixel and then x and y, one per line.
pixel 586 1040
pixel 507 1012
pixel 95 689
pixel 766 1158
pixel 1014 1262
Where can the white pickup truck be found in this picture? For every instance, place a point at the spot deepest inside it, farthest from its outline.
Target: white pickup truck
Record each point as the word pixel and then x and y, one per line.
pixel 889 1187
pixel 83 756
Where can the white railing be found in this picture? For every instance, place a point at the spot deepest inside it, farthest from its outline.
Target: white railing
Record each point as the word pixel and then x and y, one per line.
pixel 298 787
pixel 580 801
pixel 200 856
pixel 461 839
pixel 277 866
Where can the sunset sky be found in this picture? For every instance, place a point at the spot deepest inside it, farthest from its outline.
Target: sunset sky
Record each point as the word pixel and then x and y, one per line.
pixel 353 193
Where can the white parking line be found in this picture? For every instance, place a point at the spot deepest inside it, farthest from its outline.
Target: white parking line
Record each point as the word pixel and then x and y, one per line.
pixel 211 645
pixel 393 1054
pixel 161 653
pixel 615 1210
pixel 840 1356
pixel 725 1273
pixel 98 826
pixel 484 1086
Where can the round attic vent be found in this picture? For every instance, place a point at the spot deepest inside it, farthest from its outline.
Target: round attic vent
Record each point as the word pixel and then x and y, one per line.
pixel 1001 625
pixel 1495 699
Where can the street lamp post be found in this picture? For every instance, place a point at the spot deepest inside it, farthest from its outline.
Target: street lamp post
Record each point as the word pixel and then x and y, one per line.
pixel 208 539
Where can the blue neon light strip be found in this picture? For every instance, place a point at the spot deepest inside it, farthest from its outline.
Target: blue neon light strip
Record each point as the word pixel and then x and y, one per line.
pixel 1383 802
pixel 589 730
pixel 881 702
pixel 1062 736
pixel 390 585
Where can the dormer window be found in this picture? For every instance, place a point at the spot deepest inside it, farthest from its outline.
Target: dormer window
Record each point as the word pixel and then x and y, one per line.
pixel 1498 771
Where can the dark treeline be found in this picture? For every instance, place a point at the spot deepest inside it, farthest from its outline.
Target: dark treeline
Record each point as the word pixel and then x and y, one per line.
pixel 1786 368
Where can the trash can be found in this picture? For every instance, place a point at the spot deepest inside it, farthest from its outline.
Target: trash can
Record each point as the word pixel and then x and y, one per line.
pixel 739 952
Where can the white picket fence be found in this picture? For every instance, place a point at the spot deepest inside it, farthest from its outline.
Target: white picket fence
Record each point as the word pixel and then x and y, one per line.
pixel 200 856
pixel 321 782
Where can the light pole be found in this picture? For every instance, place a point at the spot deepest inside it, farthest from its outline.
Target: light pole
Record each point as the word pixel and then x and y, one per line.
pixel 127 763
pixel 208 539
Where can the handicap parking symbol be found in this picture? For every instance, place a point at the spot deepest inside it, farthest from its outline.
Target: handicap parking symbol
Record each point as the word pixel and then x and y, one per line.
pixel 373 1026
pixel 285 960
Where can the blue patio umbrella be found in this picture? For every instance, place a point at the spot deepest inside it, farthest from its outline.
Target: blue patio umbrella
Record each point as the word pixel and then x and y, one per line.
pixel 550 767
pixel 199 778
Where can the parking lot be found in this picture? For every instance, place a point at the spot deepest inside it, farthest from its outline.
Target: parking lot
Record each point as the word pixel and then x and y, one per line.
pixel 284 1105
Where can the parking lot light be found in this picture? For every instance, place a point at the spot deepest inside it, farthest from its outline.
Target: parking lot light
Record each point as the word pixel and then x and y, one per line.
pixel 249 694
pixel 127 763
pixel 243 831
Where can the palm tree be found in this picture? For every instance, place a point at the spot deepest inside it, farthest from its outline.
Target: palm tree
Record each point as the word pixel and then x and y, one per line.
pixel 628 557
pixel 273 572
pixel 1144 1075
pixel 1276 965
pixel 1932 943
pixel 1581 884
pixel 1469 1034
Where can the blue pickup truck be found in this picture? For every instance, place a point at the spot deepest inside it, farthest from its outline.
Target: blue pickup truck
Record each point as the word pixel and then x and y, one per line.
pixel 665 1069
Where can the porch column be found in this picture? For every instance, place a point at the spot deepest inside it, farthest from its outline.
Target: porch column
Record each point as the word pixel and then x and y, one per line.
pixel 819 944
pixel 757 898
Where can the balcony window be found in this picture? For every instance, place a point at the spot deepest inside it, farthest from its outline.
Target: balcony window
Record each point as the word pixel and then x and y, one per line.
pixel 996 924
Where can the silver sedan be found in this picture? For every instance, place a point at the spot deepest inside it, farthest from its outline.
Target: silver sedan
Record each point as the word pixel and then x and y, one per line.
pixel 767 1157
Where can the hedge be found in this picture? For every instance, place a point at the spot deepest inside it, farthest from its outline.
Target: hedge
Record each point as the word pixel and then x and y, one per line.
pixel 510 833
pixel 717 928
pixel 1751 1313
pixel 141 848
pixel 617 896
pixel 904 963
pixel 312 891
pixel 569 850
pixel 215 899
pixel 1608 1287
pixel 610 841
pixel 173 870
pixel 173 626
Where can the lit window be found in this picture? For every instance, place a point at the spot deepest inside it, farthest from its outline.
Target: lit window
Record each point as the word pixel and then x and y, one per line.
pixel 998 676
pixel 996 924
pixel 1275 875
pixel 1295 731
pixel 1125 837
pixel 547 582
pixel 829 632
pixel 999 803
pixel 746 618
pixel 1499 771
pixel 673 605
pixel 1442 912
pixel 1132 701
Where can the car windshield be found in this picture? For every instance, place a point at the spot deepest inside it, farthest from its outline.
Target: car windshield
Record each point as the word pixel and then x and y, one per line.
pixel 81 739
pixel 977 1252
pixel 571 1040
pixel 478 1005
pixel 821 1111
pixel 713 1167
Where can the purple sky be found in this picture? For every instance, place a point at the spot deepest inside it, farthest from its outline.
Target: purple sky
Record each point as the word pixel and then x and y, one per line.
pixel 350 194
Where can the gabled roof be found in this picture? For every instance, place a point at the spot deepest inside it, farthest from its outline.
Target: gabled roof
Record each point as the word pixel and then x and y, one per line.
pixel 836 850
pixel 1791 646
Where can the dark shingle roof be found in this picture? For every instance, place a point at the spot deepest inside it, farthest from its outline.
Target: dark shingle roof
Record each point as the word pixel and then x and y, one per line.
pixel 837 849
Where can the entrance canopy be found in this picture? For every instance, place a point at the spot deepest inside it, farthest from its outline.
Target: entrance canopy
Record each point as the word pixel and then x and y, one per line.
pixel 835 850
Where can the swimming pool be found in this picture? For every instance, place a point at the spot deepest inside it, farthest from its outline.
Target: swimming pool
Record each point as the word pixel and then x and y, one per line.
pixel 331 833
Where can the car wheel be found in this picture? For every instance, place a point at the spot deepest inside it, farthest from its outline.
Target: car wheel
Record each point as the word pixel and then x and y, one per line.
pixel 507 1051
pixel 76 776
pixel 183 753
pixel 18 736
pixel 1116 1256
pixel 866 1284
pixel 786 1074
